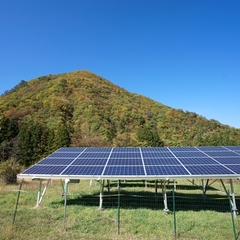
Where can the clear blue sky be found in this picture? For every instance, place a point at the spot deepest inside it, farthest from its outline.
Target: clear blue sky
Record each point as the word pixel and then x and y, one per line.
pixel 182 53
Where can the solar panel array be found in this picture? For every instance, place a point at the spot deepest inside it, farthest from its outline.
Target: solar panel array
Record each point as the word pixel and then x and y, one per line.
pixel 139 163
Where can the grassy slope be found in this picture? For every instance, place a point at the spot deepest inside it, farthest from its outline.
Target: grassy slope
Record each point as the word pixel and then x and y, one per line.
pixel 141 216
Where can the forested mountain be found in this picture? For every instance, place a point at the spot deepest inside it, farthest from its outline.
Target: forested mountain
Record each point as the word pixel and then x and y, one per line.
pixel 83 109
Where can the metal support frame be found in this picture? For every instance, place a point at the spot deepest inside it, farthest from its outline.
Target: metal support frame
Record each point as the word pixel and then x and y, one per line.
pixel 165 196
pixel 40 195
pixel 101 182
pixel 204 188
pixel 232 195
pixel 119 182
pixel 65 193
pixel 233 201
pixel 18 196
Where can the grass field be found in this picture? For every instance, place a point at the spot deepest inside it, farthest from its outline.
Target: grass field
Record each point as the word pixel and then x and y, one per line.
pixel 141 212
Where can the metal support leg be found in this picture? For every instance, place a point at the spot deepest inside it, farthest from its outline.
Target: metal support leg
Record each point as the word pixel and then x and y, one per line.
pixel 108 185
pixel 39 192
pixel 65 201
pixel 119 206
pixel 40 195
pixel 165 198
pixel 204 188
pixel 234 207
pixel 101 195
pixel 15 212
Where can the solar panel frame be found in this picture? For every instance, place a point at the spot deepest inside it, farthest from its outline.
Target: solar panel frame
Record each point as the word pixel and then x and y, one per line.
pixel 139 163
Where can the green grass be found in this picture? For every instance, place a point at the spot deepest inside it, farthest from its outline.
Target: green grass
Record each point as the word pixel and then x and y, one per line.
pixel 141 211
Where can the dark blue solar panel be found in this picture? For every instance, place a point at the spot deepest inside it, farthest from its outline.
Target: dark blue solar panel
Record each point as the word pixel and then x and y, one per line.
pixel 126 149
pixel 234 168
pixel 56 161
pixel 228 160
pixel 234 148
pixel 126 162
pixel 72 149
pixel 130 161
pixel 98 150
pixel 157 154
pixel 43 169
pixel 94 155
pixel 183 149
pixel 162 161
pixel 64 154
pixel 222 154
pixel 155 149
pixel 83 170
pixel 124 171
pixel 199 160
pixel 126 155
pixel 207 169
pixel 166 170
pixel 209 149
pixel 89 161
pixel 189 154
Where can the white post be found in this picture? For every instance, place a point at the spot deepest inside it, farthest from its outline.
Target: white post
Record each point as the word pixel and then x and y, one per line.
pixel 165 197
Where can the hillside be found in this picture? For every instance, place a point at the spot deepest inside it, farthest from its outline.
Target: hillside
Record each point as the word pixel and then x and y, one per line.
pixel 83 109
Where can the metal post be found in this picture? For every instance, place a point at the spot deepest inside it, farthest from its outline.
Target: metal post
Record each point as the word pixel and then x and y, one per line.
pixel 174 214
pixel 165 198
pixel 15 212
pixel 39 192
pixel 101 195
pixel 234 207
pixel 65 201
pixel 118 206
pixel 232 215
pixel 108 184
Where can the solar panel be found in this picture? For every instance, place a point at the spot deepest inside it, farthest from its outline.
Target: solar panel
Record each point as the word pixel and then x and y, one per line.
pixel 157 154
pixel 139 163
pixel 208 169
pixel 56 161
pixel 124 171
pixel 83 170
pixel 228 160
pixel 161 161
pixel 166 170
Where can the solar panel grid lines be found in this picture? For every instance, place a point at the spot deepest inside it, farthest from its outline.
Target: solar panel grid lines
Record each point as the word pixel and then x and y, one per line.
pixel 180 161
pixel 107 162
pixel 209 169
pixel 211 157
pixel 78 154
pixel 143 162
pixel 139 163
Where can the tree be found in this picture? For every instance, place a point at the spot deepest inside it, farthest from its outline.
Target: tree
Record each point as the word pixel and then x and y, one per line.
pixel 149 137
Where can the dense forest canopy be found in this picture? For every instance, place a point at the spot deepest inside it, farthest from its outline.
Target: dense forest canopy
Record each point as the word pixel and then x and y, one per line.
pixel 83 109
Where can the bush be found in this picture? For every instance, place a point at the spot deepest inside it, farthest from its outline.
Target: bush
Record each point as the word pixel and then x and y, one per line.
pixel 9 171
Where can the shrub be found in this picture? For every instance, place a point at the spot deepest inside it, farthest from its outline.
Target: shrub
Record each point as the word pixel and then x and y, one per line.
pixel 9 171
